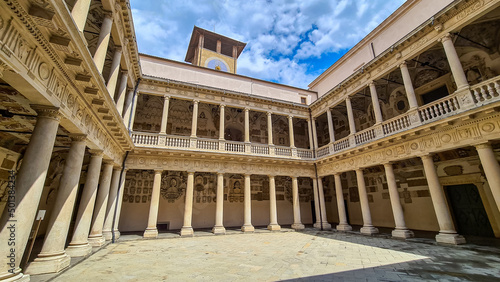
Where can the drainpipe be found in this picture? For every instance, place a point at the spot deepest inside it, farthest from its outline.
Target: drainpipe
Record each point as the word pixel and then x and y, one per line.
pixel 113 239
pixel 316 172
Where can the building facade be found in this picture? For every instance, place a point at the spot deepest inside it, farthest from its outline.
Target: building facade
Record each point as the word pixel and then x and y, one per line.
pixel 402 132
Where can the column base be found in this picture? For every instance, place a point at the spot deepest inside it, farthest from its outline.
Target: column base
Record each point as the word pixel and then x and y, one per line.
pixel 453 239
pixel 17 276
pixel 368 230
pixel 274 227
pixel 150 233
pixel 247 228
pixel 344 227
pixel 81 250
pixel 326 225
pixel 117 234
pixel 298 226
pixel 107 234
pixel 96 241
pixel 402 233
pixel 187 231
pixel 50 264
pixel 219 230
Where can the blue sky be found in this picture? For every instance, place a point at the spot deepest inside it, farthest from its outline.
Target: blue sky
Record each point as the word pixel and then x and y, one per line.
pixel 289 42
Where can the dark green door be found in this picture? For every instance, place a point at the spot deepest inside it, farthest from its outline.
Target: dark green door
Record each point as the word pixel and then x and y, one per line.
pixel 468 210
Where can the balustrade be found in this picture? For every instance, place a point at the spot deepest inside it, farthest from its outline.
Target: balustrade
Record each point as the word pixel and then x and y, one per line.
pixel 260 149
pixel 323 151
pixel 396 124
pixel 486 91
pixel 180 142
pixel 364 136
pixel 235 147
pixel 283 151
pixel 341 144
pixel 207 144
pixel 439 109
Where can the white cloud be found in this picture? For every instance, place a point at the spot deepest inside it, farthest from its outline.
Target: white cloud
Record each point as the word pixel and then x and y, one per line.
pixel 281 34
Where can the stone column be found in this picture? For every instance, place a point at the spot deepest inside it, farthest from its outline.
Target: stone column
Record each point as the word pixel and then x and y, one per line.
pixel 29 186
pixel 221 121
pixel 270 128
pixel 401 230
pixel 309 133
pixel 103 41
pixel 111 205
pixel 491 169
pixel 52 258
pixel 119 207
pixel 454 61
pixel 187 229
pixel 317 211
pixel 247 125
pixel 152 230
pixel 115 69
pixel 447 233
pixel 350 116
pixel 247 224
pixel 127 108
pixel 297 223
pixel 219 219
pixel 80 12
pixel 367 228
pixel 79 245
pixel 164 119
pixel 410 91
pixel 322 207
pixel 343 224
pixel 376 104
pixel 331 132
pixel 95 237
pixel 122 91
pixel 315 135
pixel 194 124
pixel 273 210
pixel 290 132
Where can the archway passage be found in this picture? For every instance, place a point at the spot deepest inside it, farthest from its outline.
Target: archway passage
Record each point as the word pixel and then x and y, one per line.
pixel 468 210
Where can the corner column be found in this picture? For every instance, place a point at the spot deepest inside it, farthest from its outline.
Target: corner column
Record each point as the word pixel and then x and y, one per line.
pixel 219 218
pixel 491 169
pixel 79 245
pixel 350 116
pixel 410 91
pixel 52 258
pixel 447 233
pixel 152 230
pixel 401 230
pixel 187 229
pixel 103 41
pixel 164 119
pixel 317 211
pixel 322 207
pixel 297 223
pixel 376 104
pixel 367 228
pixel 30 181
pixel 194 123
pixel 111 205
pixel 331 132
pixel 273 210
pixel 455 65
pixel 343 224
pixel 247 214
pixel 116 232
pixel 95 237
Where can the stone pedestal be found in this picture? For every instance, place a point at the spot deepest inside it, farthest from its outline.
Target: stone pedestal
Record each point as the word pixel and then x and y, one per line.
pixel 187 231
pixel 78 250
pixel 247 228
pixel 274 227
pixel 299 226
pixel 452 239
pixel 344 227
pixel 150 233
pixel 368 230
pixel 402 233
pixel 326 225
pixel 51 264
pixel 219 230
pixel 96 240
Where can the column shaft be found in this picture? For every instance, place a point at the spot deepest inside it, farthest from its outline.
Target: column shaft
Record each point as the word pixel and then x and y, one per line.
pixel 103 41
pixel 28 188
pixel 111 205
pixel 447 233
pixel 331 131
pixel 113 74
pixel 122 91
pixel 401 231
pixel 410 91
pixel 80 12
pixel 273 210
pixel 454 61
pixel 194 124
pixel 95 237
pixel 187 229
pixel 164 119
pixel 322 206
pixel 290 132
pixel 297 222
pixel 52 258
pixel 219 218
pixel 367 228
pixel 317 211
pixel 491 169
pixel 116 232
pixel 309 133
pixel 247 125
pixel 343 224
pixel 270 128
pixel 350 116
pixel 79 245
pixel 247 213
pixel 376 104
pixel 315 135
pixel 127 109
pixel 221 122
pixel 152 230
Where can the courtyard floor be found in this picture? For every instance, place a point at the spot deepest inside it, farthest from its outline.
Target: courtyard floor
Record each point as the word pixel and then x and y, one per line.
pixel 268 256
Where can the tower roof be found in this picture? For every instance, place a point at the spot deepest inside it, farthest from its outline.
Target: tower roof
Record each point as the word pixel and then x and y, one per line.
pixel 210 38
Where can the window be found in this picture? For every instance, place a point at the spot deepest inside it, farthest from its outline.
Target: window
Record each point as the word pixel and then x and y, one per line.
pixel 303 100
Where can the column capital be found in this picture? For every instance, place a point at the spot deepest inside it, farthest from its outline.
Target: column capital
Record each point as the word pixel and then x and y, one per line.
pixel 403 64
pixel 269 113
pixel 290 116
pixel 108 162
pixel 348 98
pixel 196 101
pixel 220 172
pixel 96 153
pixel 483 145
pixel 294 177
pixel 77 137
pixel 158 171
pixel 118 49
pixel 247 174
pixel 387 164
pixel 371 83
pixel 108 15
pixel 445 38
pixel 247 109
pixel 124 72
pixel 337 173
pixel 47 111
pixel 117 167
pixel 426 156
pixel 191 172
pixel 222 105
pixel 358 170
pixel 166 97
pixel 271 175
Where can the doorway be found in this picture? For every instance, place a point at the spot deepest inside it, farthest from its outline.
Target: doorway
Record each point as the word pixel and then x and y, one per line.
pixel 468 210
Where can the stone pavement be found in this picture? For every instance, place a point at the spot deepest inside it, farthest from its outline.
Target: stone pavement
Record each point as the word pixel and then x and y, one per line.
pixel 264 256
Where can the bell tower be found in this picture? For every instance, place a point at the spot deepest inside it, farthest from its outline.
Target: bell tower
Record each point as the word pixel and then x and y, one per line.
pixel 214 51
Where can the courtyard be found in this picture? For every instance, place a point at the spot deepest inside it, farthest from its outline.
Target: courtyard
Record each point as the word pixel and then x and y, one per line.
pixel 270 256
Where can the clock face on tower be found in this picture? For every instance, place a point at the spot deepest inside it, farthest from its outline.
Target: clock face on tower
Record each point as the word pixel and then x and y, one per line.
pixel 217 64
